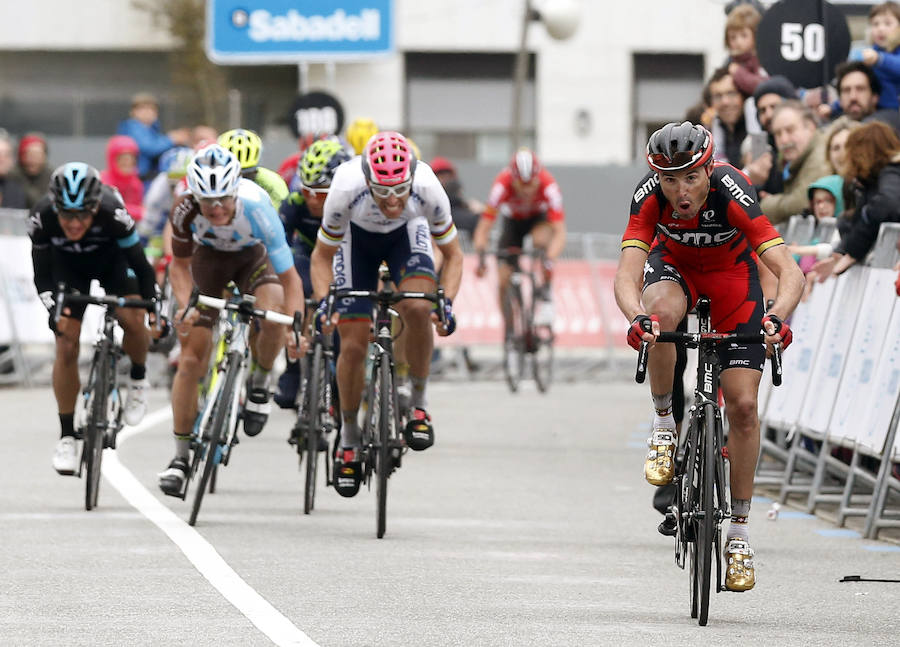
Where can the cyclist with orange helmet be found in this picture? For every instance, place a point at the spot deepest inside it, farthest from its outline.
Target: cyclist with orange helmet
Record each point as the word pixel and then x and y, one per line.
pixel 384 206
pixel 696 228
pixel 529 199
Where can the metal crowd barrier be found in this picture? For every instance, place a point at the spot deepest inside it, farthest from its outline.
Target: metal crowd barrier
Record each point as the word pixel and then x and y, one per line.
pixel 830 432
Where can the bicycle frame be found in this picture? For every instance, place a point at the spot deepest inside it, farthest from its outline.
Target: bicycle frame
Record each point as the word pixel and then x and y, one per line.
pixel 383 446
pixel 701 494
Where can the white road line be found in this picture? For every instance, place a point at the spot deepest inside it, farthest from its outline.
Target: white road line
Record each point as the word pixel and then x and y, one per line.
pixel 200 552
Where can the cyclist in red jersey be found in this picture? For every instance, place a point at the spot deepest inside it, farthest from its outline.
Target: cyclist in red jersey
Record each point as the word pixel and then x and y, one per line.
pixel 529 198
pixel 696 228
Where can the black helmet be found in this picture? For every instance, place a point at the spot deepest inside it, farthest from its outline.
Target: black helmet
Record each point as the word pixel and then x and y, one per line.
pixel 676 147
pixel 75 186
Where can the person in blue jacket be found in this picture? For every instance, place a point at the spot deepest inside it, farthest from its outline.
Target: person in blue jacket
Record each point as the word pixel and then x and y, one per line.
pixel 143 127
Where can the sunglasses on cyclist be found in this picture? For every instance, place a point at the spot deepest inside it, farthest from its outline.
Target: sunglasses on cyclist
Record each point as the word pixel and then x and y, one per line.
pixel 221 201
pixel 398 190
pixel 678 161
pixel 81 216
pixel 316 191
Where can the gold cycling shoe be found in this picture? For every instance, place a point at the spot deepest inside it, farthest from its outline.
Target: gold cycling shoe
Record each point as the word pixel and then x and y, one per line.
pixel 659 468
pixel 739 572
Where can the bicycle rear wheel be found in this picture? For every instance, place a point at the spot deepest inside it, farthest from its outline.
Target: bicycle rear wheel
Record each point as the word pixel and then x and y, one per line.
pixel 514 338
pixel 209 446
pixel 384 461
pixel 95 433
pixel 314 416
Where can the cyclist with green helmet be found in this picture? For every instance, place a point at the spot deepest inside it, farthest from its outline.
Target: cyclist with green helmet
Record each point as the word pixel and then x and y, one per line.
pixel 301 214
pixel 247 147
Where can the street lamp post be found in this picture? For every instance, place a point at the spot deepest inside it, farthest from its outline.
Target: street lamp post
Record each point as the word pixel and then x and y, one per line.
pixel 560 18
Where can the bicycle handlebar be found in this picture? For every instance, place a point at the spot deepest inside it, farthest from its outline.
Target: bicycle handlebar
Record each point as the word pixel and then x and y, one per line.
pixel 694 339
pixel 63 297
pixel 388 297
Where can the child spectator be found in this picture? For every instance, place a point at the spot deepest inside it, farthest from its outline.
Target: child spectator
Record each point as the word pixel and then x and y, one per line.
pixel 121 172
pixel 825 201
pixel 740 39
pixel 884 55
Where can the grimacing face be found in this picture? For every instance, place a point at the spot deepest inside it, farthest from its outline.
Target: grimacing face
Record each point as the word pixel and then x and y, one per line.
pixel 686 190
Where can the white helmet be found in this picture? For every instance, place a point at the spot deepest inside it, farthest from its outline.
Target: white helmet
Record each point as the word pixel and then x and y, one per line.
pixel 214 172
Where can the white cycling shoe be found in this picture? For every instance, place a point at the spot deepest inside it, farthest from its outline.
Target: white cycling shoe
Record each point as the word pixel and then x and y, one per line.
pixel 65 456
pixel 136 401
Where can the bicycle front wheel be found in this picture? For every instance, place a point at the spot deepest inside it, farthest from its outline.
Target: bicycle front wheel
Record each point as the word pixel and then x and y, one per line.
pixel 542 359
pixel 386 432
pixel 314 416
pixel 514 338
pixel 706 525
pixel 95 432
pixel 209 438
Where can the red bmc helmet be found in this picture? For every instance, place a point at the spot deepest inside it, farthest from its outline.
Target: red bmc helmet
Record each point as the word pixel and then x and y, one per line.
pixel 676 147
pixel 525 166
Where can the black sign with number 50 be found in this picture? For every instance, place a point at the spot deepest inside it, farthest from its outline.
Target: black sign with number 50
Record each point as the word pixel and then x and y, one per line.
pixel 803 40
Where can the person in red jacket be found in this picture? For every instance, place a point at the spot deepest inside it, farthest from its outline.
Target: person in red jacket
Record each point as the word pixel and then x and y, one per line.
pixel 122 173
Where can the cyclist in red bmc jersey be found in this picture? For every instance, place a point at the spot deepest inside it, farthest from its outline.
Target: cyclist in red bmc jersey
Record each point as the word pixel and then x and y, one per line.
pixel 696 228
pixel 528 195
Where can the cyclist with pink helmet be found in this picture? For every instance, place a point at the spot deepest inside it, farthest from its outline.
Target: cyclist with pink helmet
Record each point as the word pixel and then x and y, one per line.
pixel 384 206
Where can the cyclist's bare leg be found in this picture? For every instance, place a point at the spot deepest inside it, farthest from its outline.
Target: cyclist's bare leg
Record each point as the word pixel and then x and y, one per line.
pixel 351 364
pixel 269 296
pixel 740 387
pixel 666 300
pixel 136 339
pixel 419 333
pixel 504 273
pixel 192 366
pixel 66 382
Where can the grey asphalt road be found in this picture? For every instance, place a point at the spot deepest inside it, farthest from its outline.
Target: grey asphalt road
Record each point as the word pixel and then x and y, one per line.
pixel 528 523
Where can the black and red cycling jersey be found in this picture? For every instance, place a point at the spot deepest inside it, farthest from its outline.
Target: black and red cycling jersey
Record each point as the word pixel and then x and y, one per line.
pixel 727 226
pixel 714 253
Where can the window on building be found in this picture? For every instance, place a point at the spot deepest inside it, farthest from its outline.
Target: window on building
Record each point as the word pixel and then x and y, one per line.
pixel 446 99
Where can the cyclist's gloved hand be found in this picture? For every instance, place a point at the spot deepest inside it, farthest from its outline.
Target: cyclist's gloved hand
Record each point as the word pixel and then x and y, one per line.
pixel 49 300
pixel 639 325
pixel 779 328
pixel 448 315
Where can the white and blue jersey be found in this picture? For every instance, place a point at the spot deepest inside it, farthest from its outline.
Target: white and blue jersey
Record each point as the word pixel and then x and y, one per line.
pixel 255 222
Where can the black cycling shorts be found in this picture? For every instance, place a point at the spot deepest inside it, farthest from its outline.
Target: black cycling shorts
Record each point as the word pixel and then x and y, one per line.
pixel 116 278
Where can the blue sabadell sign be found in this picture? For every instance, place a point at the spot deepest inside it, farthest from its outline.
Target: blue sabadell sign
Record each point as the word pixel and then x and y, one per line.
pixel 288 31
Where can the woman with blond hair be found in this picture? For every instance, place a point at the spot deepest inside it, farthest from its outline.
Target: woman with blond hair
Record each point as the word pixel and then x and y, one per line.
pixel 872 167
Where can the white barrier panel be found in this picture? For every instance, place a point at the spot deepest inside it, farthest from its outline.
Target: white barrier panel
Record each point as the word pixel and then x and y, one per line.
pixel 876 419
pixel 30 314
pixel 808 324
pixel 826 373
pixel 856 391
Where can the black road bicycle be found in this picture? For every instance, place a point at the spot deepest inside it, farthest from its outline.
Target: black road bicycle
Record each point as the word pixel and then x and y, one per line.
pixel 524 342
pixel 382 440
pixel 103 402
pixel 701 497
pixel 215 430
pixel 318 413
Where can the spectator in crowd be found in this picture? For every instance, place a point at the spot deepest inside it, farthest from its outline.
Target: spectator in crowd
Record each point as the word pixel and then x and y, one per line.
pixel 858 93
pixel 801 148
pixel 884 55
pixel 121 172
pixel 12 193
pixel 143 127
pixel 465 212
pixel 836 142
pixel 825 201
pixel 761 169
pixel 872 165
pixel 740 39
pixel 32 171
pixel 734 119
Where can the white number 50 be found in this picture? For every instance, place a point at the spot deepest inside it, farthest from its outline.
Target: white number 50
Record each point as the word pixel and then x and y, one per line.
pixel 799 42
